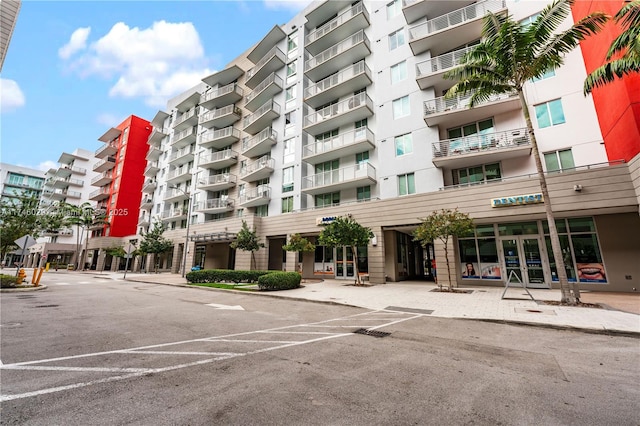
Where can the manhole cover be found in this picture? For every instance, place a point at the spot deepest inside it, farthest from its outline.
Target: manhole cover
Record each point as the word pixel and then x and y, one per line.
pixel 374 333
pixel 46 306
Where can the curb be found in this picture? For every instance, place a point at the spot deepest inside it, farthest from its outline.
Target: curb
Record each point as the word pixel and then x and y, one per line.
pixel 23 289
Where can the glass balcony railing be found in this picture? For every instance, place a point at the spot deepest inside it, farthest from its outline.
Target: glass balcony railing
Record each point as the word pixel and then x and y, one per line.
pixel 481 142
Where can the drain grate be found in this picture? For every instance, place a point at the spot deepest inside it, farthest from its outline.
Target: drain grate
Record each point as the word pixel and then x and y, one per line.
pixel 46 306
pixel 374 333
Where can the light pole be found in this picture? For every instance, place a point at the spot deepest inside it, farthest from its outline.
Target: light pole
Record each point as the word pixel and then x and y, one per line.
pixel 186 240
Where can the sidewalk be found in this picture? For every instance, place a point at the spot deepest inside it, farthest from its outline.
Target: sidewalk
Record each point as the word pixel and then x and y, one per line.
pixel 621 312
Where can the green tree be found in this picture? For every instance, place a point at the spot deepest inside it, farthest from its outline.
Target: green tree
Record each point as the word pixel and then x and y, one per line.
pixel 346 231
pixel 84 217
pixel 115 251
pixel 299 244
pixel 247 240
pixel 626 49
pixel 19 216
pixel 443 225
pixel 154 243
pixel 511 54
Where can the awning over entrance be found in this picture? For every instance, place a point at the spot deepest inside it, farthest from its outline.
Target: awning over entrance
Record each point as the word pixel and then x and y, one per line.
pixel 218 237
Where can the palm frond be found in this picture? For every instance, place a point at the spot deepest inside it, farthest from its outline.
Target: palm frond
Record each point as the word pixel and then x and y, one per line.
pixel 609 72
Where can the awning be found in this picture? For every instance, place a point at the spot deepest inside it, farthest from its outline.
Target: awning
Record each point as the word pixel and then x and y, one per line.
pixel 217 237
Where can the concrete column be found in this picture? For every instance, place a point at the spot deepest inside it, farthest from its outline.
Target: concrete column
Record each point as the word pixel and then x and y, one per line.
pixel 176 262
pixel 376 259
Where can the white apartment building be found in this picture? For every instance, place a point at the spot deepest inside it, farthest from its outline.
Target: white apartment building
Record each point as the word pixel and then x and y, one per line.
pixel 341 112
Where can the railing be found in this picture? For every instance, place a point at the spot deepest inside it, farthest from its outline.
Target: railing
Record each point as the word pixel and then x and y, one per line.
pixel 217 179
pixel 356 101
pixel 217 156
pixel 101 191
pixel 171 213
pixel 273 78
pixel 74 194
pixel 469 13
pixel 481 142
pixel 79 170
pixel 176 193
pixel 344 174
pixel 187 115
pixel 334 23
pixel 219 112
pixel 268 106
pixel 461 101
pixel 103 175
pixel 233 87
pixel 151 165
pixel 262 162
pixel 214 203
pixel 262 191
pixel 178 172
pixel 339 141
pixel 406 3
pixel 441 63
pixel 109 160
pixel 250 142
pixel 183 134
pixel 105 147
pixel 273 52
pixel 210 136
pixel 336 79
pixel 337 49
pixel 182 152
pixel 147 201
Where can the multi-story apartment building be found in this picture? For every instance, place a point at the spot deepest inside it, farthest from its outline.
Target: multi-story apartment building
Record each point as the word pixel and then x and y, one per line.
pixel 10 10
pixel 341 112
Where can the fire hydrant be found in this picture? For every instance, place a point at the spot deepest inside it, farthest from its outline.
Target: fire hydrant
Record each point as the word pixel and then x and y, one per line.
pixel 21 276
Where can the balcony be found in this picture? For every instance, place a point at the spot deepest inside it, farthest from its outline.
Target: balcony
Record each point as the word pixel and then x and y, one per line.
pixel 153 153
pixel 348 80
pixel 260 144
pixel 157 135
pixel 102 179
pixel 255 197
pixel 221 117
pixel 66 171
pixel 178 175
pixel 446 32
pixel 184 138
pixel 186 120
pixel 218 160
pixel 152 168
pixel 430 73
pixel 181 156
pixel 105 164
pixel 456 111
pixel 99 194
pixel 264 91
pixel 261 118
pixel 218 139
pixel 416 9
pixel 149 186
pixel 146 203
pixel 350 110
pixel 64 232
pixel 174 194
pixel 340 146
pixel 271 62
pixel 214 205
pixel 65 183
pixel 107 150
pixel 257 170
pixel 222 96
pixel 338 56
pixel 339 179
pixel 174 214
pixel 348 22
pixel 481 149
pixel 143 220
pixel 217 182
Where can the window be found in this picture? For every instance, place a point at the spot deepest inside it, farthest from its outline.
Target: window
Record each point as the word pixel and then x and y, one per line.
pixel 262 211
pixel 529 20
pixel 15 179
pixel 559 160
pixel 403 144
pixel 548 74
pixel 483 173
pixel 362 158
pixel 289 155
pixel 363 193
pixel 287 205
pixel 406 184
pixel 360 129
pixel 287 179
pixel 549 114
pixel 290 97
pixel 394 8
pixel 396 39
pixel 289 124
pixel 326 200
pixel 292 44
pixel 479 255
pixel 461 140
pixel 401 107
pixel 292 70
pixel 398 72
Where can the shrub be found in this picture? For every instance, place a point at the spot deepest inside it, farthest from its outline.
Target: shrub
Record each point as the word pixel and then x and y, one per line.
pixel 224 276
pixel 279 281
pixel 8 281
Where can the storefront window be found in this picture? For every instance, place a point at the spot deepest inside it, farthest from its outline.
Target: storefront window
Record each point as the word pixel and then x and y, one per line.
pixel 479 256
pixel 566 253
pixel 521 228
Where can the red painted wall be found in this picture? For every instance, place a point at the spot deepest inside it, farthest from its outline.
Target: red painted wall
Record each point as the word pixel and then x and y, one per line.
pixel 126 189
pixel 617 104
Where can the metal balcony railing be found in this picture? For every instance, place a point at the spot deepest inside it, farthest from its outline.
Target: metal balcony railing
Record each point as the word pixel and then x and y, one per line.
pixel 250 142
pixel 182 152
pixel 217 179
pixel 219 112
pixel 187 115
pixel 214 203
pixel 275 51
pixel 334 23
pixel 209 135
pixel 262 191
pixel 183 134
pixel 268 106
pixel 273 78
pixel 337 176
pixel 339 141
pixel 336 49
pixel 257 165
pixel 477 143
pixel 327 113
pixel 441 63
pixel 336 79
pixel 233 87
pixel 217 156
pixel 461 101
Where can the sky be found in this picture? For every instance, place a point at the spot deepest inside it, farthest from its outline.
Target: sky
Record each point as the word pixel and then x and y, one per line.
pixel 74 69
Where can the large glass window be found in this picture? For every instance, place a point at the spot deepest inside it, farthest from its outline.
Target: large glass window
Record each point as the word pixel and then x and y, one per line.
pixel 401 107
pixel 396 39
pixel 559 160
pixel 394 8
pixel 403 144
pixel 290 97
pixel 398 72
pixel 262 211
pixel 287 205
pixel 483 173
pixel 327 200
pixel 362 158
pixel 363 193
pixel 479 255
pixel 406 184
pixel 287 179
pixel 549 114
pixel 289 154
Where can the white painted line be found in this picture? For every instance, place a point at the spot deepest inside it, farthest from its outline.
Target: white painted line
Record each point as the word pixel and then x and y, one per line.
pixel 338 326
pixel 90 369
pixel 226 307
pixel 248 341
pixel 182 353
pixel 293 332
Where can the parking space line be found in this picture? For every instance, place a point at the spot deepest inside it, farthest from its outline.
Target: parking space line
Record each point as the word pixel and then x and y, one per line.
pixel 181 353
pixel 87 369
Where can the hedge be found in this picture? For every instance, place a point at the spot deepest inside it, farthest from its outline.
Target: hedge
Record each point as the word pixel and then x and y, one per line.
pixel 279 281
pixel 8 281
pixel 224 276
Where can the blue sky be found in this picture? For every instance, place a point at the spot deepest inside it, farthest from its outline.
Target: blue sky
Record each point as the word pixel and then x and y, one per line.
pixel 74 69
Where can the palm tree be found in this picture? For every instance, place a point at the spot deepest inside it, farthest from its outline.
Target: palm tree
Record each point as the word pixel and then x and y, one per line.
pixel 508 56
pixel 85 216
pixel 627 45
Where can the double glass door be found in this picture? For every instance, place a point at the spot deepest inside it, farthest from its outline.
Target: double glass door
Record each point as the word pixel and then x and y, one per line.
pixel 344 262
pixel 523 259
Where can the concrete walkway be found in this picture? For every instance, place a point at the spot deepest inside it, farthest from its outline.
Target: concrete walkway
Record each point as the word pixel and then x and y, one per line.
pixel 620 312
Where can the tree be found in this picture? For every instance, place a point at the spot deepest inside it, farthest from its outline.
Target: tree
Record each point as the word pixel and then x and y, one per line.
pixel 509 55
pixel 441 225
pixel 154 243
pixel 345 231
pixel 19 217
pixel 85 217
pixel 247 240
pixel 626 47
pixel 299 244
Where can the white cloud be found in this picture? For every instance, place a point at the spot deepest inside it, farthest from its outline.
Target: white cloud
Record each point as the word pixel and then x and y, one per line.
pixel 154 63
pixel 44 166
pixel 109 120
pixel 292 5
pixel 77 42
pixel 11 97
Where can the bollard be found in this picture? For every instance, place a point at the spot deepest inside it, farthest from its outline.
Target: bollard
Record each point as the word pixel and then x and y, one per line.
pixel 37 283
pixel 47 267
pixel 35 275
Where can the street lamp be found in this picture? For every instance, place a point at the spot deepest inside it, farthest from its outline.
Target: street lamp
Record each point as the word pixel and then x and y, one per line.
pixel 186 241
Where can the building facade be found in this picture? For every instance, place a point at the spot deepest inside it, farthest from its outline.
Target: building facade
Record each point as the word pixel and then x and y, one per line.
pixel 341 111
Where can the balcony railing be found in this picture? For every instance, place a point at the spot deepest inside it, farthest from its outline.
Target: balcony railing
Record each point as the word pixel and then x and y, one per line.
pixel 274 51
pixel 478 143
pixel 187 115
pixel 178 172
pixel 334 23
pixel 263 110
pixel 266 134
pixel 336 79
pixel 75 169
pixel 261 163
pixel 217 156
pixel 219 112
pixel 101 191
pixel 221 179
pixel 214 204
pixel 228 135
pixel 221 91
pixel 336 50
pixel 262 192
pixel 469 13
pixel 173 213
pixel 105 177
pixel 111 147
pixel 181 153
pixel 341 141
pixel 331 111
pixel 176 193
pixel 273 78
pixel 182 135
pixel 441 63
pixel 460 102
pixel 338 176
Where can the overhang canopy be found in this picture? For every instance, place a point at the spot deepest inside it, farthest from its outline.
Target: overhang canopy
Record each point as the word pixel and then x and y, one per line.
pixel 224 77
pixel 262 48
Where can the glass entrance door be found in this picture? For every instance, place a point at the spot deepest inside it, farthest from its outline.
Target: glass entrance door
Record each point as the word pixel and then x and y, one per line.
pixel 344 262
pixel 522 257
